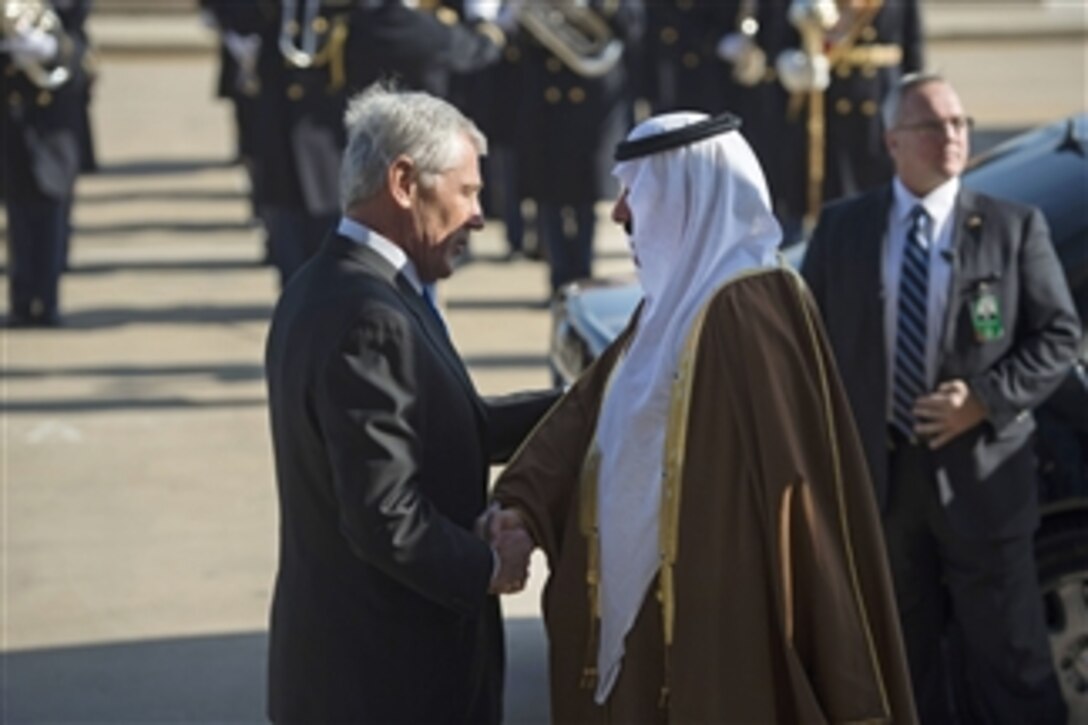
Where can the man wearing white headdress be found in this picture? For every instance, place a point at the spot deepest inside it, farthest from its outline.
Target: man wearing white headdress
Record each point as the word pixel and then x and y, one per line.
pixel 700 493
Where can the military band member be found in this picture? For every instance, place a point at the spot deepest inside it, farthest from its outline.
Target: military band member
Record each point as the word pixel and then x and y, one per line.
pixel 44 83
pixel 872 45
pixel 313 55
pixel 572 112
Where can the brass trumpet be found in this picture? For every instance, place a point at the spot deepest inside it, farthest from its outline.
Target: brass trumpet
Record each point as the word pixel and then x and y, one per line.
pixel 577 34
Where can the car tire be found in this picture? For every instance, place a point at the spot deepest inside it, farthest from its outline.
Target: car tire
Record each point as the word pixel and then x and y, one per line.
pixel 1061 556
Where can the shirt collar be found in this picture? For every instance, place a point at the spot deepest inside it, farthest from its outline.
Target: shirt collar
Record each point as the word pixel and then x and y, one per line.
pixel 937 203
pixel 393 254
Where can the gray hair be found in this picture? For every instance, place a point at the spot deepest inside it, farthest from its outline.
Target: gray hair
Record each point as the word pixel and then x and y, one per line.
pixel 384 123
pixel 889 110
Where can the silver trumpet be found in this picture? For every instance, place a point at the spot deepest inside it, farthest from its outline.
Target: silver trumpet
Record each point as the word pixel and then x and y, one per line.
pixel 577 34
pixel 19 15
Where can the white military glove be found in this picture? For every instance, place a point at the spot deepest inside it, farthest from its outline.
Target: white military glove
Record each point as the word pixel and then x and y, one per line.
pixel 243 48
pixel 476 10
pixel 743 52
pixel 30 46
pixel 803 73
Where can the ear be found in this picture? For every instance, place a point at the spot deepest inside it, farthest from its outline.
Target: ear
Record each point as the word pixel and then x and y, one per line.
pixel 891 142
pixel 402 181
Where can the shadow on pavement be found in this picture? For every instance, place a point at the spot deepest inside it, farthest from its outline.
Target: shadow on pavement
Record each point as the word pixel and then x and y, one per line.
pixel 175 227
pixel 201 679
pixel 226 373
pixel 102 403
pixel 165 265
pixel 157 167
pixel 90 319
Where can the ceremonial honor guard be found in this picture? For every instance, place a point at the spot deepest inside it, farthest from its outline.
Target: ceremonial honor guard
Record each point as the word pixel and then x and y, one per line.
pixel 575 108
pixel 313 54
pixel 43 133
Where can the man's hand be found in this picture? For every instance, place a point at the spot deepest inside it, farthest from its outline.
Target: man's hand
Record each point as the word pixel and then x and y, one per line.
pixel 951 410
pixel 508 536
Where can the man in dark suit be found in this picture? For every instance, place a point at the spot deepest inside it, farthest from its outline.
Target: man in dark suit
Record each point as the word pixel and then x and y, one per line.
pixel 41 136
pixel 950 320
pixel 382 609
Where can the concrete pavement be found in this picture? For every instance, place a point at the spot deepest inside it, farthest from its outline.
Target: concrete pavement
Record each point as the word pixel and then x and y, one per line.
pixel 138 512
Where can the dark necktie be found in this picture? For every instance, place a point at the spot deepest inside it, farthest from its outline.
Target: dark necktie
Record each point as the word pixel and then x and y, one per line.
pixel 428 297
pixel 909 376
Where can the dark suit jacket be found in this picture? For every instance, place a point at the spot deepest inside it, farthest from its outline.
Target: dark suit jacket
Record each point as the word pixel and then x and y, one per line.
pixel 1006 246
pixel 382 448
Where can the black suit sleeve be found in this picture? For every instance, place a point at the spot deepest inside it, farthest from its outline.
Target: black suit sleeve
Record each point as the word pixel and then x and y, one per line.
pixel 364 407
pixel 1046 332
pixel 813 267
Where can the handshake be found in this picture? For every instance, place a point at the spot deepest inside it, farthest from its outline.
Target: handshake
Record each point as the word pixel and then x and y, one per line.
pixel 505 532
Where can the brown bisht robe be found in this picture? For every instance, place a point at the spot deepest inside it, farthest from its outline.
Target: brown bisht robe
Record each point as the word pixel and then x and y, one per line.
pixel 778 604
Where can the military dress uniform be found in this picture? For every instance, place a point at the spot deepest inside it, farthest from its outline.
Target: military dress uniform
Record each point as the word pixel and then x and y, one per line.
pixel 42 151
pixel 873 50
pixel 350 44
pixel 682 71
pixel 568 125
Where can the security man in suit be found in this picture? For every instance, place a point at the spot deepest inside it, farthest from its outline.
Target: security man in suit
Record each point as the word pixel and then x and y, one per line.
pixel 44 87
pixel 950 319
pixel 313 55
pixel 382 610
pixel 573 111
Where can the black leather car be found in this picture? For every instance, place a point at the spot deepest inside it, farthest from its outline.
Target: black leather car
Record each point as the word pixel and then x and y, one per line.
pixel 1046 167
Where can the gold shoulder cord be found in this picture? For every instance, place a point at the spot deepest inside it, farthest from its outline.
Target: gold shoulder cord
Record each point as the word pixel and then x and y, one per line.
pixel 840 493
pixel 333 53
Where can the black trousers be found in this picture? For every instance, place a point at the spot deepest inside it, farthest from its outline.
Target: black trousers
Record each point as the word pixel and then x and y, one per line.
pixel 38 230
pixel 971 610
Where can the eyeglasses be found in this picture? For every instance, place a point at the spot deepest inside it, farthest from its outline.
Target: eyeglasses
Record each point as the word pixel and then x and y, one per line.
pixel 937 126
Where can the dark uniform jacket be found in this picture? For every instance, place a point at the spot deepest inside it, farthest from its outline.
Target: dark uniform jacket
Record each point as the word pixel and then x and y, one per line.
pixel 998 247
pixel 43 128
pixel 301 109
pixel 569 124
pixel 382 446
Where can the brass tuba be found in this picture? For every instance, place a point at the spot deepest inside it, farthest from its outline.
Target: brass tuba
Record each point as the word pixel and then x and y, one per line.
pixel 19 15
pixel 577 34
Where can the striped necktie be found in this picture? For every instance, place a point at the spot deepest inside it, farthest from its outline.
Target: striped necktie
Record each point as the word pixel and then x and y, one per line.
pixel 909 377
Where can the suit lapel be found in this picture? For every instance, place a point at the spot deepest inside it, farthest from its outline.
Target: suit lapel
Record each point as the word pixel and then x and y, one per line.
pixel 966 233
pixel 868 254
pixel 432 329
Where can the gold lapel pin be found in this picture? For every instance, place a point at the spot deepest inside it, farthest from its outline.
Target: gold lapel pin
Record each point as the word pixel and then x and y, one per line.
pixel 974 222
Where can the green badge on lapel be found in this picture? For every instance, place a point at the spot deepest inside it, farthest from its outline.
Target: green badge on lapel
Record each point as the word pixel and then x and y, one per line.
pixel 986 315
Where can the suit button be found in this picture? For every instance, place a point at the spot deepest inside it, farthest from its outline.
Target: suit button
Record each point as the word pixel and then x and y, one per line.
pixel 868 71
pixel 868 108
pixel 843 106
pixel 44 98
pixel 868 34
pixel 553 95
pixel 843 70
pixel 576 94
pixel 295 92
pixel 320 24
pixel 512 53
pixel 291 27
pixel 690 60
pixel 554 65
pixel 669 35
pixel 14 99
